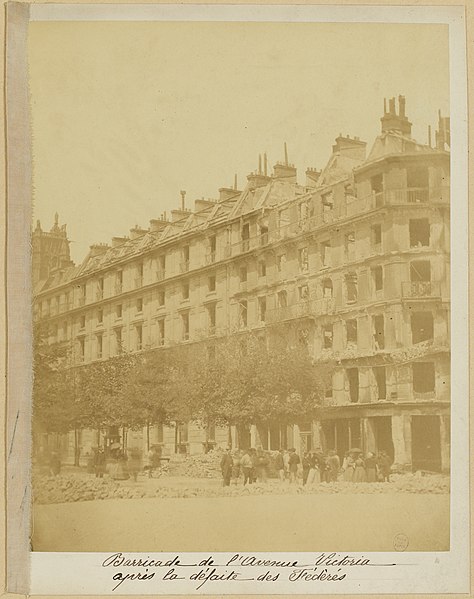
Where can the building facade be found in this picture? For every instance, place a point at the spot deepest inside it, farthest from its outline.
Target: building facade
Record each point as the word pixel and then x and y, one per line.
pixel 354 264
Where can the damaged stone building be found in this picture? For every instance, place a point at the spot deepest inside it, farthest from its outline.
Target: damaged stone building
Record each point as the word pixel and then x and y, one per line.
pixel 353 262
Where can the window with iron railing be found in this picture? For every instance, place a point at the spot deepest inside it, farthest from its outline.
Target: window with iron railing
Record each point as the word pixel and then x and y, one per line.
pixel 262 309
pixel 351 333
pixel 350 280
pixel 325 254
pixel 99 346
pixel 327 332
pixel 185 326
pixel 378 325
pixel 211 283
pixel 377 278
pixel 243 313
pixel 185 291
pixel 211 318
pixel 303 259
pixel 139 336
pixel 118 340
pixel 161 331
pixel 376 238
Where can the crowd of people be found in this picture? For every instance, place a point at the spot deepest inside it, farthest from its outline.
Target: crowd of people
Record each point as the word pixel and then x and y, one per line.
pixel 253 465
pixel 241 466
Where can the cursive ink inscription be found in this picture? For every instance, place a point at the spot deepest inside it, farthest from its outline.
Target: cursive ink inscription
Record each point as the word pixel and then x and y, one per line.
pixel 118 560
pixel 121 577
pixel 327 567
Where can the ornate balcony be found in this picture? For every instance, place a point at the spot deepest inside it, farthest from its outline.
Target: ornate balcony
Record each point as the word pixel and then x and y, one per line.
pixel 305 309
pixel 421 289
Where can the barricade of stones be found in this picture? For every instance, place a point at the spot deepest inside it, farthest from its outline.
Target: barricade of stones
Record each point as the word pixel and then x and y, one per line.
pixel 205 465
pixel 70 489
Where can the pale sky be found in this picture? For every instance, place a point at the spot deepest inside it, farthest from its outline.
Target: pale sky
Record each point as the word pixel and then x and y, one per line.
pixel 127 114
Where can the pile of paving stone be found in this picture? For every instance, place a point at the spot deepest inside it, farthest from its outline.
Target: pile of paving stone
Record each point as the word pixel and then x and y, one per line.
pixel 205 465
pixel 70 489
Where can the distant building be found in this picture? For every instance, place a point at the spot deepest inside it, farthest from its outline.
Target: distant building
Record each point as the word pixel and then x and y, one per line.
pixel 354 263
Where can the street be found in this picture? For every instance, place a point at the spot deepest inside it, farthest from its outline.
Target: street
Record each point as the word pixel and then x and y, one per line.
pixel 335 522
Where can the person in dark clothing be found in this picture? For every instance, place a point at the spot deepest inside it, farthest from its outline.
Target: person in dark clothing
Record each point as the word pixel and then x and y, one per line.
pixel 307 462
pixel 254 458
pixel 99 463
pixel 262 465
pixel 135 463
pixel 293 465
pixel 226 467
pixel 280 465
pixel 384 465
pixel 246 465
pixel 371 468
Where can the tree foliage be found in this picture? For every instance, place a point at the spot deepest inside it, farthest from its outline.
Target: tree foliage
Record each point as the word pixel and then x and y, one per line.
pixel 245 382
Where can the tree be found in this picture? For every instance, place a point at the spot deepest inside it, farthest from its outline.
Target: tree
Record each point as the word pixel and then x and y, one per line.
pixel 52 407
pixel 250 383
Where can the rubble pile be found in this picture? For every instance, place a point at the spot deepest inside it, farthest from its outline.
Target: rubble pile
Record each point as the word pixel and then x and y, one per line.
pixel 205 465
pixel 69 489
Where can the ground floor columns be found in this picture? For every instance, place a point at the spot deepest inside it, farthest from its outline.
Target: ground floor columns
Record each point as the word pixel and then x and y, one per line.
pixel 401 436
pixel 368 433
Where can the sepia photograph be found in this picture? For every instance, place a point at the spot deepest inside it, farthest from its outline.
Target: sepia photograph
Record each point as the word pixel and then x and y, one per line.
pixel 240 269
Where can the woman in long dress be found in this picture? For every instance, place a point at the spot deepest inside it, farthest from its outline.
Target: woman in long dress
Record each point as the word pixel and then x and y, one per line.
pixel 348 467
pixel 359 471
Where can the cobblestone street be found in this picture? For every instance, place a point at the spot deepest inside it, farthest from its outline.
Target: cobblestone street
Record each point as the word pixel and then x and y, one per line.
pixel 362 521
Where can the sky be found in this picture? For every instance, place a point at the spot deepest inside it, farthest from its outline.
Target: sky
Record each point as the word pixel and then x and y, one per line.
pixel 127 114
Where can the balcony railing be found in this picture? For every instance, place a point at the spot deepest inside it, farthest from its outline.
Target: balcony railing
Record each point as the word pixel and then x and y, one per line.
pixel 305 309
pixel 421 289
pixel 160 275
pixel 210 257
pixel 118 288
pixel 99 295
pixel 184 266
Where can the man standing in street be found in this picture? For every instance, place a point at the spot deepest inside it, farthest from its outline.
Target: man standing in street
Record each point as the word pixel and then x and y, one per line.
pixel 280 466
pixel 293 465
pixel 226 467
pixel 246 465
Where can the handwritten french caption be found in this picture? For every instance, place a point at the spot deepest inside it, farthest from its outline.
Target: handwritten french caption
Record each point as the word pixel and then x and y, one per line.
pixel 239 567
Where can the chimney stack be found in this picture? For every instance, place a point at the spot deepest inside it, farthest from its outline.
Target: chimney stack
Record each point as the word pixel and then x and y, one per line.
pixel 137 232
pixel 352 147
pixel 393 122
pixel 312 176
pixel 116 241
pixel 225 193
pixel 257 179
pixel 443 135
pixel 97 249
pixel 183 198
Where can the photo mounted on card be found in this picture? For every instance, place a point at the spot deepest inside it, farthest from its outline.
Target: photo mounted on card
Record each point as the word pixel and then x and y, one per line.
pixel 236 227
